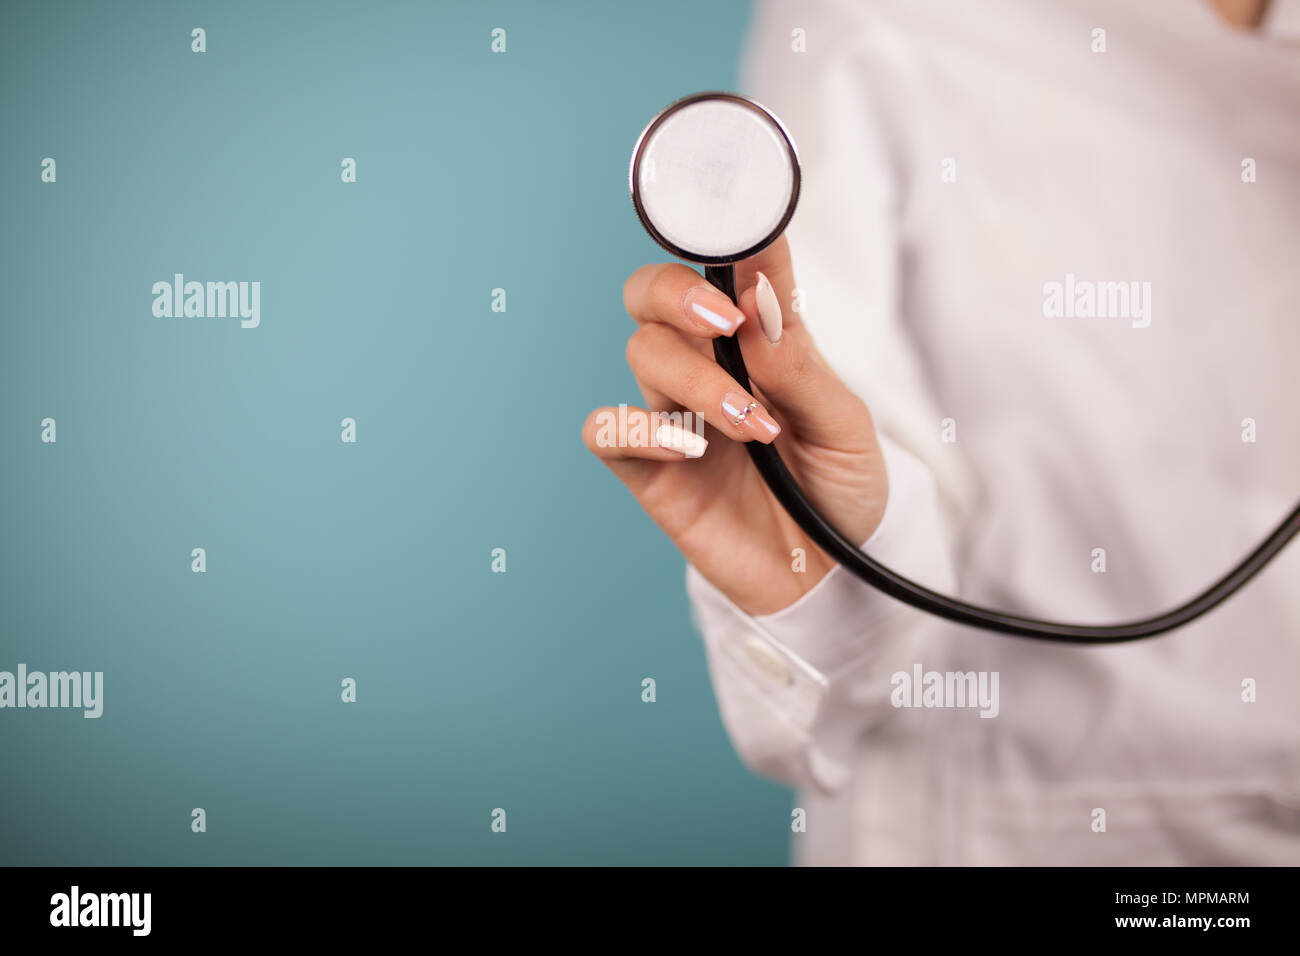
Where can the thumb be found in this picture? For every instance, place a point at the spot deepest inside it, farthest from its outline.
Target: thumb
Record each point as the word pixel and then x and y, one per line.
pixel 774 263
pixel 783 359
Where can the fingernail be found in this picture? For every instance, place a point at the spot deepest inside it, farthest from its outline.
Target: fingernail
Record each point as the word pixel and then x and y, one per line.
pixel 769 309
pixel 679 439
pixel 714 308
pixel 743 411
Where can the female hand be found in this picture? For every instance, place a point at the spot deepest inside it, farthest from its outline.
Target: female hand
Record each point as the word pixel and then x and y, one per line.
pixel 716 508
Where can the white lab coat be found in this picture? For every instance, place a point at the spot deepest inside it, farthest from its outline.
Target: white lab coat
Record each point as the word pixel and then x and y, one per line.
pixel 1073 433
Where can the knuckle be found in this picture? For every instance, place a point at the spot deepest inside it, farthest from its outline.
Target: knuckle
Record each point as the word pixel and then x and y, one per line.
pixel 633 290
pixel 633 350
pixel 661 284
pixel 668 289
pixel 804 364
pixel 861 412
pixel 800 368
pixel 697 383
pixel 642 346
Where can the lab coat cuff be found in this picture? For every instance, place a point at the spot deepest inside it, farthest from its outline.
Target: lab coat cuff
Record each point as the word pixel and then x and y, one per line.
pixel 842 622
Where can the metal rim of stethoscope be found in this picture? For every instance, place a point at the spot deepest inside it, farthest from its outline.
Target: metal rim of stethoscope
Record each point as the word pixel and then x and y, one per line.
pixel 634 185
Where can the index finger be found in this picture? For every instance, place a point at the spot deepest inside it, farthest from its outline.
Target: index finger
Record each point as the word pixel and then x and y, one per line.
pixel 677 295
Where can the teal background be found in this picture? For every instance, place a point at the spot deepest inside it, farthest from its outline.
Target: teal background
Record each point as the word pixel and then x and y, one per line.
pixel 327 560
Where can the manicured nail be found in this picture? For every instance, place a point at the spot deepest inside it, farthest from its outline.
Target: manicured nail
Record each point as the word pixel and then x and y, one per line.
pixel 769 309
pixel 714 308
pixel 743 411
pixel 679 439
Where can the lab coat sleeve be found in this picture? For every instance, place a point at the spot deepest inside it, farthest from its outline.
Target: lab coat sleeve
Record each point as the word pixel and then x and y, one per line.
pixel 797 688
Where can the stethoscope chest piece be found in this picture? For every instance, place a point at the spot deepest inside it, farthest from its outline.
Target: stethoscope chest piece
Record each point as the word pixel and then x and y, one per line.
pixel 714 178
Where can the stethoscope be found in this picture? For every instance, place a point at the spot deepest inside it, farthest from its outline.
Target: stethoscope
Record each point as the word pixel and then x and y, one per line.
pixel 715 179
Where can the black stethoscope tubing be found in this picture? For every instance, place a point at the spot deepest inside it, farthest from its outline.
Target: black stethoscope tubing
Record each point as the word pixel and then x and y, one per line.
pixel 787 491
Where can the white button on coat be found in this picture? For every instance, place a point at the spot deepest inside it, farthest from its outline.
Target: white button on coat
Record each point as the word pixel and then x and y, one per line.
pixel 768 660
